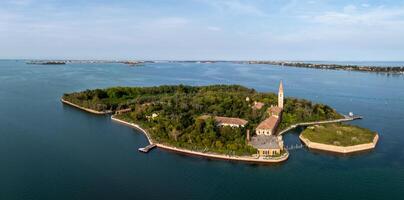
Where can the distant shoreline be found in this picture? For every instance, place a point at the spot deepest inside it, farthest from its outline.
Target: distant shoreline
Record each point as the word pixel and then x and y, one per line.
pixel 348 67
pixel 398 70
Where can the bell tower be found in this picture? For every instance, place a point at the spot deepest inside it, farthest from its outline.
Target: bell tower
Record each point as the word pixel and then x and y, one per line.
pixel 280 95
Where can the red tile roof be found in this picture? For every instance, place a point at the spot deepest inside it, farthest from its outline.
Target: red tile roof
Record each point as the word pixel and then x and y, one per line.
pixel 231 120
pixel 227 120
pixel 269 123
pixel 258 105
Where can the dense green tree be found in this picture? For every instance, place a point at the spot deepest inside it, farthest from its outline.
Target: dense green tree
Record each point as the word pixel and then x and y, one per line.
pixel 179 109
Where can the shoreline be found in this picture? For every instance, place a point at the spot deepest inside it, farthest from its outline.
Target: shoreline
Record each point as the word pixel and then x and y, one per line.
pixel 397 70
pixel 85 109
pixel 291 127
pixel 340 149
pixel 200 154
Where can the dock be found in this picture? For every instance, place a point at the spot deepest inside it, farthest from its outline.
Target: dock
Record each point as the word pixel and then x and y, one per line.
pixel 147 148
pixel 295 147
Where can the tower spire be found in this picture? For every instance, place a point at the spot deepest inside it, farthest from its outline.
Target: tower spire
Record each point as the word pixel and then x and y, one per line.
pixel 280 95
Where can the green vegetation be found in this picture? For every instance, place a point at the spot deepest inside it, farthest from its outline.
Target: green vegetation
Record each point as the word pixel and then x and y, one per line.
pixel 338 134
pixel 178 109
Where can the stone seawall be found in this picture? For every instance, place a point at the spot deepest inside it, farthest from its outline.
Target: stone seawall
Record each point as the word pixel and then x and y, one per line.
pixel 85 109
pixel 113 118
pixel 340 149
pixel 203 154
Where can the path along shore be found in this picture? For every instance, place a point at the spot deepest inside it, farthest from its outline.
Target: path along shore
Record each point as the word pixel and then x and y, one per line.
pixel 345 119
pixel 185 151
pixel 340 149
pixel 202 154
pixel 86 109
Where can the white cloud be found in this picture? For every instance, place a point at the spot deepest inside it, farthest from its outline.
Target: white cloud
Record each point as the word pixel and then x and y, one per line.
pixel 352 16
pixel 235 7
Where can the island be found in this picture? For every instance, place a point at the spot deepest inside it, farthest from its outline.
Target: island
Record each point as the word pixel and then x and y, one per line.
pixel 63 62
pixel 229 122
pixel 339 138
pixel 44 62
pixel 377 69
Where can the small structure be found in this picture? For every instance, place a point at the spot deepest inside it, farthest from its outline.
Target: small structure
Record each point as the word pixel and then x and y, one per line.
pixel 153 116
pixel 227 121
pixel 267 145
pixel 122 111
pixel 257 105
pixel 230 121
pixel 147 148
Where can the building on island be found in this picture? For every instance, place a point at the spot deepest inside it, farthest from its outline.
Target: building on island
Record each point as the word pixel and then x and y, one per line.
pixel 265 141
pixel 122 111
pixel 269 125
pixel 152 116
pixel 267 145
pixel 228 121
pixel 257 105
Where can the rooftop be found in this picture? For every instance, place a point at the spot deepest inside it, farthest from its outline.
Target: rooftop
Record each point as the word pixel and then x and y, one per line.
pixel 231 120
pixel 268 123
pixel 227 120
pixel 257 105
pixel 265 142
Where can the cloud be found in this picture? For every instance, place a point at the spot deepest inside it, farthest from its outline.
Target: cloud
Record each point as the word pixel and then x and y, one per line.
pixel 351 16
pixel 235 7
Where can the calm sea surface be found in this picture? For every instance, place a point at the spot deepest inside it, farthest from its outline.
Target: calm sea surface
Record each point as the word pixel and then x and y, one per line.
pixel 52 151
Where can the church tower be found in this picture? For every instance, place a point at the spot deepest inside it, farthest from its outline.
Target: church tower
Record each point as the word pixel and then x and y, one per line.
pixel 280 95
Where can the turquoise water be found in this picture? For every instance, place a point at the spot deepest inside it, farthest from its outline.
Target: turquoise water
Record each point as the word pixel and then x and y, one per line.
pixel 52 151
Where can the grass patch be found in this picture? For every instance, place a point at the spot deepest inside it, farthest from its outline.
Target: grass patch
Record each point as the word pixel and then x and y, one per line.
pixel 338 134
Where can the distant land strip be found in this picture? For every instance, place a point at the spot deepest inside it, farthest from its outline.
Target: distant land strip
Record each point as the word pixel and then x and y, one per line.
pixel 347 67
pixel 377 69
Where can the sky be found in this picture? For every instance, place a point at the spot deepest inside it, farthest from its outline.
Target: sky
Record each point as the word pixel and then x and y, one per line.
pixel 335 30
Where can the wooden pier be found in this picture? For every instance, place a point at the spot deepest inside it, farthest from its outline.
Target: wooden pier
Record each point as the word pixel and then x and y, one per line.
pixel 294 147
pixel 147 148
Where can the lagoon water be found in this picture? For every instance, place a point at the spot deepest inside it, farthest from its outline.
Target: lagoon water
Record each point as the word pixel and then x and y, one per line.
pixel 52 151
